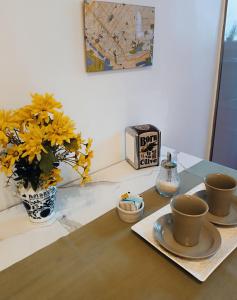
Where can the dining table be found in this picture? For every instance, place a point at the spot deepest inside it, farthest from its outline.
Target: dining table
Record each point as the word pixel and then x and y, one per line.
pixel 88 252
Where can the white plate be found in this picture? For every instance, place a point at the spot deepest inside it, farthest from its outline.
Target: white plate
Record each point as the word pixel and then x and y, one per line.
pixel 199 269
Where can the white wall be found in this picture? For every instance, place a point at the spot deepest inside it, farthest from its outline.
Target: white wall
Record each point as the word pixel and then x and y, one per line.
pixel 42 50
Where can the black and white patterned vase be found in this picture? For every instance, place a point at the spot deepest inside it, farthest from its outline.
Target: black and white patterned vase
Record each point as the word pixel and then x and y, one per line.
pixel 40 204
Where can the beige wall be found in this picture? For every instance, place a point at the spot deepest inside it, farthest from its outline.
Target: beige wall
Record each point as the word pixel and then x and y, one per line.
pixel 42 50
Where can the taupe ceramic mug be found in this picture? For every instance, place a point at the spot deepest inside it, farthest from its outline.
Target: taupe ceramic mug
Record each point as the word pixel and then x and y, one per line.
pixel 220 193
pixel 188 217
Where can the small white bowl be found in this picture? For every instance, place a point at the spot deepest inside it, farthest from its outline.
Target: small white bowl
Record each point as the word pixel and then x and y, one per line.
pixel 130 216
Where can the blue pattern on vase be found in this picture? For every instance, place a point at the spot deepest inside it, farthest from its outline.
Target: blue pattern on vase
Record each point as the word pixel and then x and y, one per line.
pixel 41 204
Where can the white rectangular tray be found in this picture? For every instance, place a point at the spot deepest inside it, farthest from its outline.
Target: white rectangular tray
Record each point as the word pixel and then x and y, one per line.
pixel 200 269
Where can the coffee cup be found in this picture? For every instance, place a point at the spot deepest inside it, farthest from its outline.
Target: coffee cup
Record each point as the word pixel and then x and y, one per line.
pixel 220 193
pixel 188 212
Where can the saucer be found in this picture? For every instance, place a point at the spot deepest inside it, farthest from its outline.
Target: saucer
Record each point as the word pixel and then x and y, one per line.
pixel 209 243
pixel 229 220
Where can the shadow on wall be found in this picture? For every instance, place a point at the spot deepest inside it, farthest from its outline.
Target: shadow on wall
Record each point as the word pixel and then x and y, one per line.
pixel 112 150
pixel 112 146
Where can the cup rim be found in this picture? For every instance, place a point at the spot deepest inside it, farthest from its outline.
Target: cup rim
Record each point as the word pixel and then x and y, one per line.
pixel 219 189
pixel 188 215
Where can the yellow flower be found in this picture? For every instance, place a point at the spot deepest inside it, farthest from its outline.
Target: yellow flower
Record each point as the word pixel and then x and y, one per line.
pixel 7 123
pixel 3 139
pixel 43 105
pixel 13 154
pixel 88 158
pixel 7 120
pixel 40 128
pixel 88 162
pixel 32 142
pixel 83 163
pixel 89 143
pixel 85 180
pixel 90 154
pixel 82 160
pixel 74 145
pixel 60 130
pixel 86 172
pixel 51 179
pixel 45 102
pixel 24 115
pixel 5 165
pixel 80 140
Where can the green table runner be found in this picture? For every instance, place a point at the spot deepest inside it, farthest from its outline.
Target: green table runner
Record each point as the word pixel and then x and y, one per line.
pixel 106 260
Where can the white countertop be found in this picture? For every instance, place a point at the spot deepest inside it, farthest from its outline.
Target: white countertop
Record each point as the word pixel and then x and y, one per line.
pixel 75 207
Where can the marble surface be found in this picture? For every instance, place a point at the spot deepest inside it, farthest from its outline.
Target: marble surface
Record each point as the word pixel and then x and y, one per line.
pixel 75 207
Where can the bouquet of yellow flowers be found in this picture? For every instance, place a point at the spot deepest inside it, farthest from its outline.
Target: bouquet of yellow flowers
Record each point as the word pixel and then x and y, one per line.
pixel 35 139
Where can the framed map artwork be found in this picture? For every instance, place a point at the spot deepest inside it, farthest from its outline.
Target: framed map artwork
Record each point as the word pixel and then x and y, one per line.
pixel 118 36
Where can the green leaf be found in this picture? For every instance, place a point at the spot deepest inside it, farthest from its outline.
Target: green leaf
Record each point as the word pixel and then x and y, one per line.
pixel 46 163
pixel 72 146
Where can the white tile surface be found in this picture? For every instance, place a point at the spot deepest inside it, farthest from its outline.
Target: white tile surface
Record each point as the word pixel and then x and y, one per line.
pixel 200 269
pixel 75 206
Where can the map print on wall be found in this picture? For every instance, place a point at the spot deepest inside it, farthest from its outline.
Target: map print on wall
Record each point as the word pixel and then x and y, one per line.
pixel 118 36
